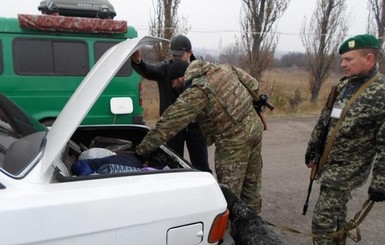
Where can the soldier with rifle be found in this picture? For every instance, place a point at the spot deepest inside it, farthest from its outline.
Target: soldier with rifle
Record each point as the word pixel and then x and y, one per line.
pixel 349 138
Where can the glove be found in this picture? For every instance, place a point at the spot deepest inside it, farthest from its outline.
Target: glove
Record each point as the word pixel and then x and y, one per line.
pixel 142 158
pixel 230 197
pixel 259 105
pixel 376 196
pixel 158 159
pixel 309 156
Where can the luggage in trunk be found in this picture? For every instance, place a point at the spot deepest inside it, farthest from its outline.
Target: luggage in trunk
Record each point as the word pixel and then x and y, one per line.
pixel 80 8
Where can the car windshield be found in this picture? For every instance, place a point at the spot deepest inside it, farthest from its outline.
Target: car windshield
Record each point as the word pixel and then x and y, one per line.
pixel 22 139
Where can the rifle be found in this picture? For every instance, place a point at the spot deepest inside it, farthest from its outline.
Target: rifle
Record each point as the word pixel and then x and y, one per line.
pixel 260 106
pixel 319 149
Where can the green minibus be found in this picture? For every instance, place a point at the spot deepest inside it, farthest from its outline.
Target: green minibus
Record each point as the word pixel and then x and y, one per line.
pixel 44 58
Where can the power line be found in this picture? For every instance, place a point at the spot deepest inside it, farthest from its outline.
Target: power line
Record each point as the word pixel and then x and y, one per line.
pixel 216 31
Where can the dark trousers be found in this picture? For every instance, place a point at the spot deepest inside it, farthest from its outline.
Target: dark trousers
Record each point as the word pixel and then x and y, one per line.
pixel 196 146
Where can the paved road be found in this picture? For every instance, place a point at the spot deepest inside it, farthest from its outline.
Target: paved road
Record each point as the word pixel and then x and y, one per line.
pixel 286 180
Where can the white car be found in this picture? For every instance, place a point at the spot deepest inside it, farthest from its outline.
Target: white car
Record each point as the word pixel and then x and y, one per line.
pixel 43 202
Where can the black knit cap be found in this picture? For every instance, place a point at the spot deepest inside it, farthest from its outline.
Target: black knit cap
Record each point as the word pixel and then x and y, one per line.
pixel 177 69
pixel 179 45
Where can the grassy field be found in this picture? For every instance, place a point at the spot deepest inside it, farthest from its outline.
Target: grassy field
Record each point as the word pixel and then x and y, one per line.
pixel 288 90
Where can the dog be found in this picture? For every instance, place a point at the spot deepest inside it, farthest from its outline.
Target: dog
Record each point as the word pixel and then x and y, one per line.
pixel 247 227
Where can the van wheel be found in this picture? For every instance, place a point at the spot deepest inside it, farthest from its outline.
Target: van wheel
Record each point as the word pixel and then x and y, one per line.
pixel 48 122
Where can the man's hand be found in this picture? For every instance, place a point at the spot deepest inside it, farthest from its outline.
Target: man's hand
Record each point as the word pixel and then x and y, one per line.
pixel 136 57
pixel 142 158
pixel 309 157
pixel 259 105
pixel 376 196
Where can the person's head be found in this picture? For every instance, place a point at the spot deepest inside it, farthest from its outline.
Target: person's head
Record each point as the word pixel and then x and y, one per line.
pixel 176 73
pixel 359 54
pixel 180 48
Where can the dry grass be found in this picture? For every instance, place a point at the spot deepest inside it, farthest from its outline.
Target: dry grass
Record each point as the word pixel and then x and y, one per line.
pixel 150 100
pixel 288 90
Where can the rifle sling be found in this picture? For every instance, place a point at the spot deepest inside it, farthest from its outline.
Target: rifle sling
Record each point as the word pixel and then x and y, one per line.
pixel 329 145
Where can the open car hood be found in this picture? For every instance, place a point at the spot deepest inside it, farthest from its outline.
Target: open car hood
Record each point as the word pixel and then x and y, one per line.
pixel 85 96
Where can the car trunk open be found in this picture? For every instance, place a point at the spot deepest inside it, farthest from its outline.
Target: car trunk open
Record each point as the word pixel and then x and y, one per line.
pixel 108 137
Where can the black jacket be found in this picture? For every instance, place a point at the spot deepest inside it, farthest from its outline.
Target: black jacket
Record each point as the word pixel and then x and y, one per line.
pixel 159 72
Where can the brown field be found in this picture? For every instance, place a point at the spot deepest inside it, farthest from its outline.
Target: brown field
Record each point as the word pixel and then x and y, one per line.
pixel 150 100
pixel 288 90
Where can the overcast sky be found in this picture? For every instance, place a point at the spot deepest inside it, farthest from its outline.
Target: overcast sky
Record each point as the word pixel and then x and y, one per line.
pixel 213 22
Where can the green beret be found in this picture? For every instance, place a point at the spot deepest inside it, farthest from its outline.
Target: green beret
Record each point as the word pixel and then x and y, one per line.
pixel 359 42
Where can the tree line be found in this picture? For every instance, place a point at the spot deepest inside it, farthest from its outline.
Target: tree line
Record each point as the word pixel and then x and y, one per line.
pixel 255 51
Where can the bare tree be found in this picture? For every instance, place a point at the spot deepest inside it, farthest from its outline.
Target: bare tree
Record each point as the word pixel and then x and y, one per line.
pixel 257 23
pixel 231 54
pixel 376 24
pixel 321 37
pixel 166 24
pixel 292 59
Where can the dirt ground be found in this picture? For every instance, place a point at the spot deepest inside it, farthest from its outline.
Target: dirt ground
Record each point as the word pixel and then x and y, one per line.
pixel 286 181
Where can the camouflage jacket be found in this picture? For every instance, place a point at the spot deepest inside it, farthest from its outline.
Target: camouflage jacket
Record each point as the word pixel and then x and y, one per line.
pixel 360 140
pixel 216 98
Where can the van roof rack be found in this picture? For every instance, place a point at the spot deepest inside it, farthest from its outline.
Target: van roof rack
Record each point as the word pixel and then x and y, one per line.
pixel 101 9
pixel 71 24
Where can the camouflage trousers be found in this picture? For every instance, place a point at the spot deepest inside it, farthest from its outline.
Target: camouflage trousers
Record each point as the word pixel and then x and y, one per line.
pixel 330 214
pixel 238 164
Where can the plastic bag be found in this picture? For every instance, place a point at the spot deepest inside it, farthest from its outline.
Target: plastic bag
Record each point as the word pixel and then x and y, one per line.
pixel 95 153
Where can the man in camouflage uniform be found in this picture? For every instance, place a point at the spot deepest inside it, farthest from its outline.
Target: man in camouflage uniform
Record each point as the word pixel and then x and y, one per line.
pixel 180 48
pixel 359 143
pixel 220 98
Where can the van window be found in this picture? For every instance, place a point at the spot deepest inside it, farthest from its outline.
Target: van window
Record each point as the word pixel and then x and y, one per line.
pixel 56 57
pixel 47 66
pixel 101 47
pixel 1 57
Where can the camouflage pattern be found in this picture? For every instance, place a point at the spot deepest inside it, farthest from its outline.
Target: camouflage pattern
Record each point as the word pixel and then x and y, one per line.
pixel 359 145
pixel 360 138
pixel 238 164
pixel 198 68
pixel 330 214
pixel 222 106
pixel 229 102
